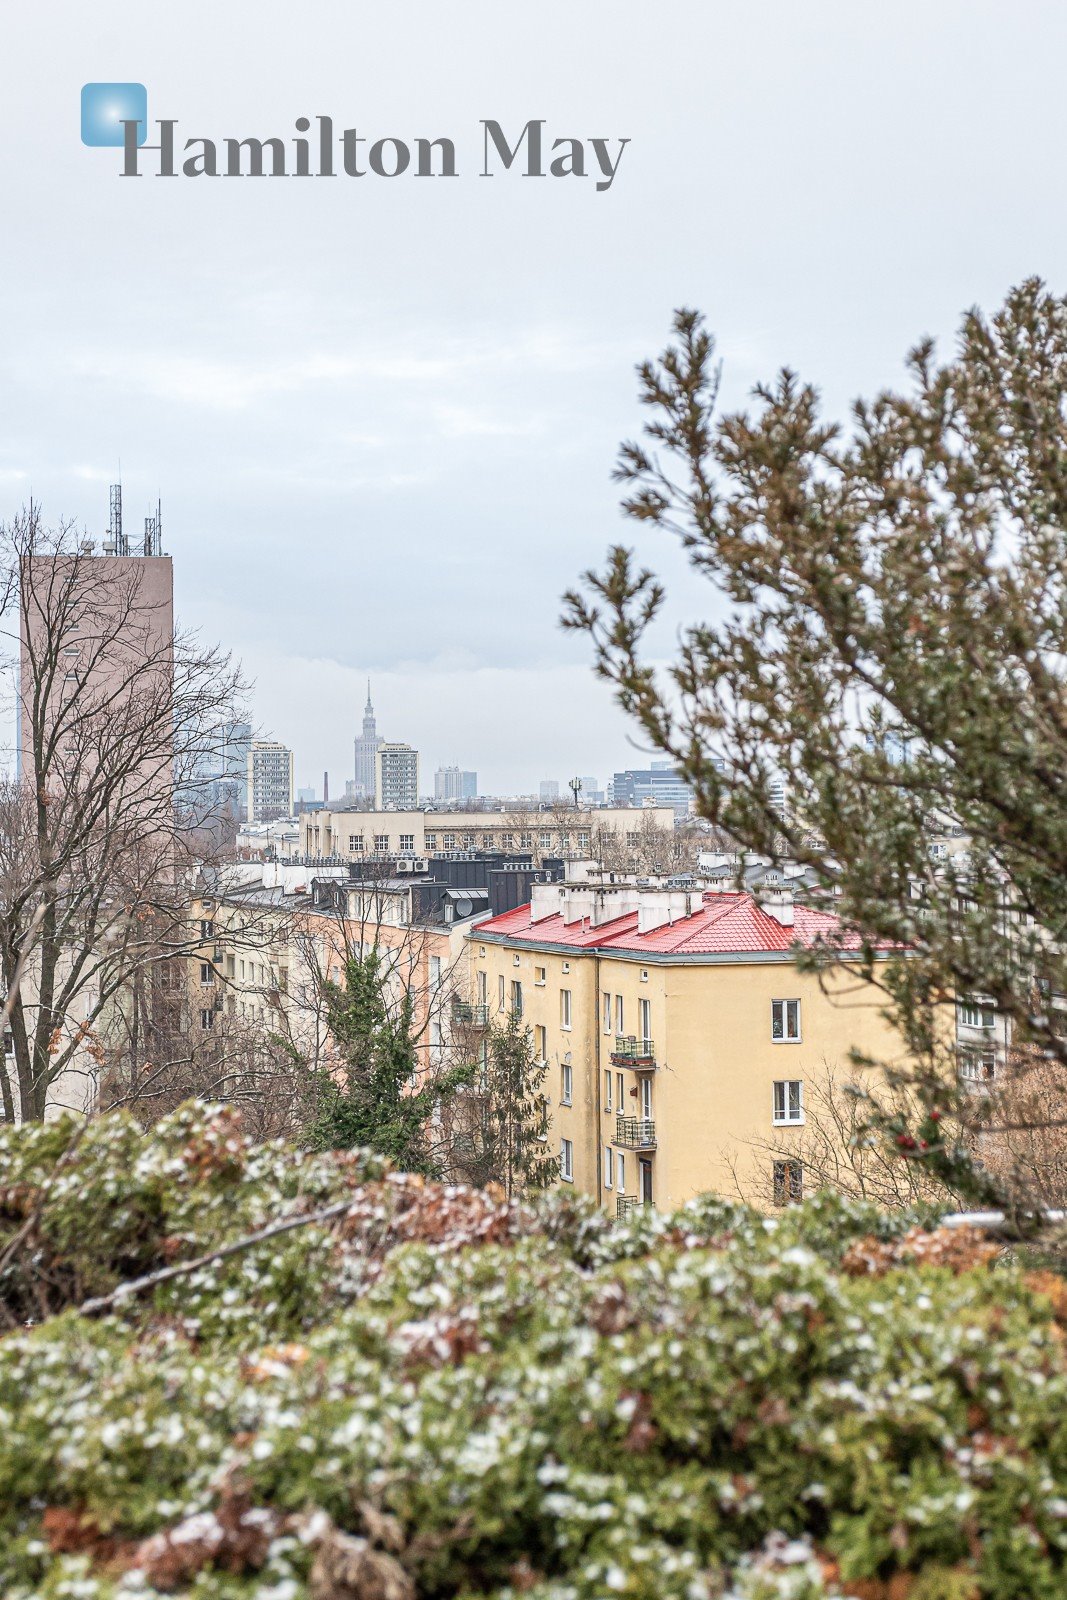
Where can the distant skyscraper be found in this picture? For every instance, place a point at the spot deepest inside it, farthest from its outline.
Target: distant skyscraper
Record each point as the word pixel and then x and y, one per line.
pixel 452 783
pixel 270 781
pixel 659 784
pixel 367 746
pixel 549 789
pixel 396 777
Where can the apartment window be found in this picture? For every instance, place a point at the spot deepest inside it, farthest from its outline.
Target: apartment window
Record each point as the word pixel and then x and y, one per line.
pixel 644 974
pixel 564 841
pixel 541 1042
pixel 785 1021
pixel 545 841
pixel 608 1080
pixel 207 928
pixel 436 1034
pixel 431 841
pixel 644 1019
pixel 583 841
pixel 566 966
pixel 620 1172
pixel 407 841
pixel 525 841
pixel 540 977
pixel 618 1014
pixel 450 841
pixel 242 969
pixel 468 841
pixel 979 1068
pixel 646 1099
pixel 487 841
pixel 516 959
pixel 633 840
pixel 355 844
pixel 789 1100
pixel 787 1181
pixel 566 1084
pixel 507 841
pixel 516 998
pixel 435 972
pixel 620 1092
pixel 609 1165
pixel 381 843
pixel 607 1013
pixel 566 1160
pixel 207 973
pixel 482 983
pixel 977 1014
pixel 564 1008
pixel 500 992
pixel 207 1020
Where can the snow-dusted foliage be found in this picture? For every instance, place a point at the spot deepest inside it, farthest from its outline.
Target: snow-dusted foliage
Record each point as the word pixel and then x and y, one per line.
pixel 435 1393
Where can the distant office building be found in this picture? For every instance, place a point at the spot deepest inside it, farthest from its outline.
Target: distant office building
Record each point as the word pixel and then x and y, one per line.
pixel 305 794
pixel 396 786
pixel 270 781
pixel 366 748
pixel 591 793
pixel 451 783
pixel 660 784
pixel 549 789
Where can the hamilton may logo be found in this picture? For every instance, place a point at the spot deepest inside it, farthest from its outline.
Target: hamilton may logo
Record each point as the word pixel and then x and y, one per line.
pixel 116 114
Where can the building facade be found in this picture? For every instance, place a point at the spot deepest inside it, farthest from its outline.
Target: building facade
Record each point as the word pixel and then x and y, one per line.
pixel 542 832
pixel 682 1039
pixel 396 777
pixel 660 784
pixel 270 781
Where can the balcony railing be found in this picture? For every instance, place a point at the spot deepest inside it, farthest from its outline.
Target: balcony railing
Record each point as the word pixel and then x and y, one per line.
pixel 635 1133
pixel 627 1204
pixel 633 1052
pixel 476 1016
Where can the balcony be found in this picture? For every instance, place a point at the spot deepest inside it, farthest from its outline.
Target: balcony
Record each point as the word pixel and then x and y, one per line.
pixel 627 1204
pixel 635 1133
pixel 632 1052
pixel 473 1015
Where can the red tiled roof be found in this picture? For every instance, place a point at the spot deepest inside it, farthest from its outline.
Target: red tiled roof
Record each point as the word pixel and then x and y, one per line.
pixel 727 924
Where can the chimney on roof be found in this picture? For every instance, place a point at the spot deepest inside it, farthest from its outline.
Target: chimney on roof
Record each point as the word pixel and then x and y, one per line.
pixel 659 908
pixel 778 903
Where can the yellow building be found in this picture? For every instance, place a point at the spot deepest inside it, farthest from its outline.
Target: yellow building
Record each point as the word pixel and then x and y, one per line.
pixel 680 1034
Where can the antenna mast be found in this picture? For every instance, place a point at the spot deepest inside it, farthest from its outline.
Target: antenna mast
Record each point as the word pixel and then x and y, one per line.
pixel 117 540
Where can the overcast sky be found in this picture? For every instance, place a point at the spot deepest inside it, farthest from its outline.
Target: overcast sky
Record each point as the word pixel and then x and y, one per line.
pixel 382 414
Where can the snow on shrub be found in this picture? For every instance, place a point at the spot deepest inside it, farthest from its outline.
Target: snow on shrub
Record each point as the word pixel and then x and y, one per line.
pixel 435 1393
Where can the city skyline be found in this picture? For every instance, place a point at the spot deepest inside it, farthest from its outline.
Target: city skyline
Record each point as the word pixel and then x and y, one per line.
pixel 375 458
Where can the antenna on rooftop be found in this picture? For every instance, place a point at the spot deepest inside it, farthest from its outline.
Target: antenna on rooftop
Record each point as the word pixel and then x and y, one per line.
pixel 153 532
pixel 575 787
pixel 117 543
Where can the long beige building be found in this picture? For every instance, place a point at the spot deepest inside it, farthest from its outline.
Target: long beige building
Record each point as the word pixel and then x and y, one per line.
pixel 552 831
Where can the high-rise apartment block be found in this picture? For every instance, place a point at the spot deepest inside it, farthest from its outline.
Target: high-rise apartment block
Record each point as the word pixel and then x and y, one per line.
pixel 396 785
pixel 270 781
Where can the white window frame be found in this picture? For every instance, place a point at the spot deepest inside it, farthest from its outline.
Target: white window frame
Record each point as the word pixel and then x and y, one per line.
pixel 566 1084
pixel 607 1011
pixel 566 1160
pixel 609 1167
pixel 783 1009
pixel 620 1172
pixel 787 1108
pixel 566 1010
pixel 607 1090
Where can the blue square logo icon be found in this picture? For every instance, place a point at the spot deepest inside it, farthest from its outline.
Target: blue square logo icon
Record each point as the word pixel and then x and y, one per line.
pixel 106 106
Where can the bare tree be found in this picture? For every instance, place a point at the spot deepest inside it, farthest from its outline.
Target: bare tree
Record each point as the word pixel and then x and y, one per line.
pixel 117 715
pixel 836 1150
